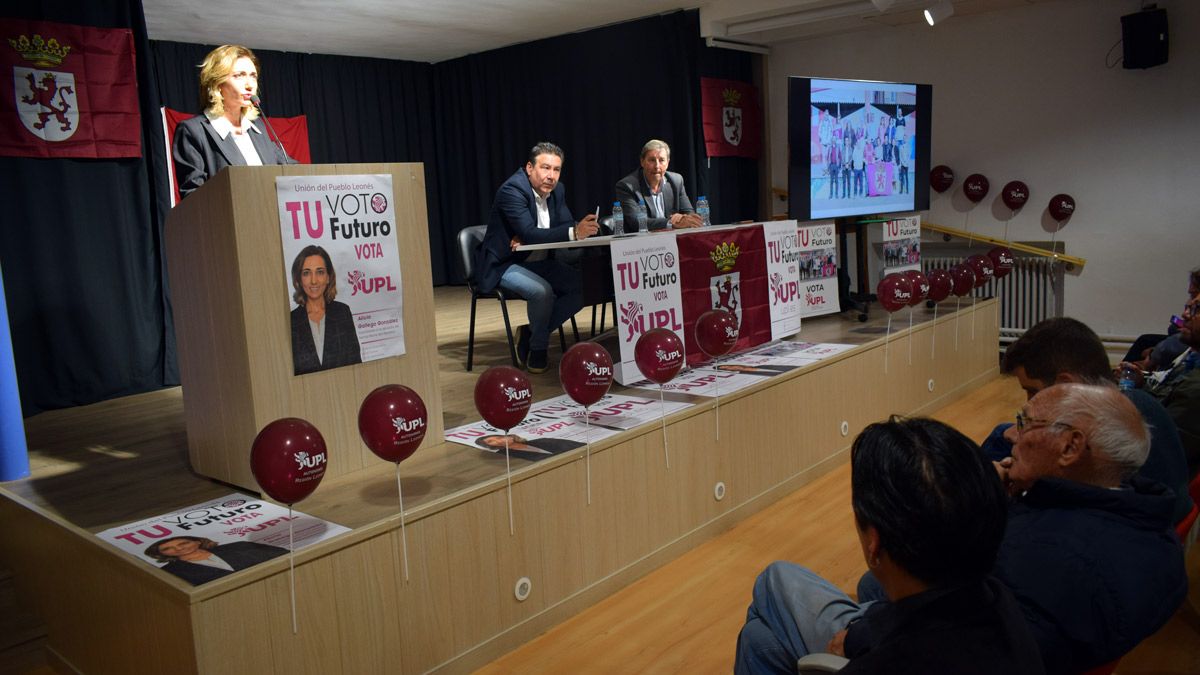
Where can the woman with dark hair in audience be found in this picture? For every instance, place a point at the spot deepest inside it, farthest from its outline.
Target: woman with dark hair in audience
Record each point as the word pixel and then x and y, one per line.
pixel 930 514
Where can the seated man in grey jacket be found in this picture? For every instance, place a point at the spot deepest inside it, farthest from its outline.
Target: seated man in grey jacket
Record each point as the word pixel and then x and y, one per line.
pixel 662 191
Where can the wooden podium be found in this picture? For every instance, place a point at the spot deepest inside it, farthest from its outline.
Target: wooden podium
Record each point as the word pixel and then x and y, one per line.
pixel 232 308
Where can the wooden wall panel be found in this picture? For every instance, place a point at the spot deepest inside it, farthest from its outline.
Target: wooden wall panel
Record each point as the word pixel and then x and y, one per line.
pixel 357 614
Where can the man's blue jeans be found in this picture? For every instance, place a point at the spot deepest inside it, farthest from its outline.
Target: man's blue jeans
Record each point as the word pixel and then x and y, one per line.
pixel 793 612
pixel 552 293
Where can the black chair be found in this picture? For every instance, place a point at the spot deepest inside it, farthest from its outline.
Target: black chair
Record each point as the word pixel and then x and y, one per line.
pixel 469 239
pixel 600 296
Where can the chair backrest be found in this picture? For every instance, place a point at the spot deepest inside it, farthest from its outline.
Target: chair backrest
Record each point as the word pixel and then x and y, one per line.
pixel 606 225
pixel 469 239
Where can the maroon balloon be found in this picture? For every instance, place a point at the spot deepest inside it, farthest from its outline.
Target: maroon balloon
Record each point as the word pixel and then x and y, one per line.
pixel 586 372
pixel 1015 194
pixel 1062 206
pixel 659 355
pixel 940 284
pixel 894 292
pixel 392 421
pixel 975 187
pixel 1002 261
pixel 503 396
pixel 941 178
pixel 981 265
pixel 964 279
pixel 920 286
pixel 288 459
pixel 716 332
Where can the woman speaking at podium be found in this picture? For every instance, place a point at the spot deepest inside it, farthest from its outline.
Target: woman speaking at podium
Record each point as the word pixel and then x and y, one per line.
pixel 226 133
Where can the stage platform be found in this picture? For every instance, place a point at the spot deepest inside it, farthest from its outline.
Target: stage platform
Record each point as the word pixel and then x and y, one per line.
pixel 120 461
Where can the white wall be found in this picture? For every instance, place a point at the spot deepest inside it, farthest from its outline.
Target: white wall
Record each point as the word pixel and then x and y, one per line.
pixel 1024 94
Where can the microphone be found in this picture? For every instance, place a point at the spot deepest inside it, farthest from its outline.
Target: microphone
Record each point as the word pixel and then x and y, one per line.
pixel 258 104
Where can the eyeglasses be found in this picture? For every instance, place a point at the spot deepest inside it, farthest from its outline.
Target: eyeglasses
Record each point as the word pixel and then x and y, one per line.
pixel 1190 309
pixel 1024 422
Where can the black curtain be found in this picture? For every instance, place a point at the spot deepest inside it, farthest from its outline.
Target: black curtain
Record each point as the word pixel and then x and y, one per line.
pixel 83 255
pixel 731 183
pixel 599 95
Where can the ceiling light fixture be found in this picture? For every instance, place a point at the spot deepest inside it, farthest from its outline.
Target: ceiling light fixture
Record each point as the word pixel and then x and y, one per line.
pixel 939 12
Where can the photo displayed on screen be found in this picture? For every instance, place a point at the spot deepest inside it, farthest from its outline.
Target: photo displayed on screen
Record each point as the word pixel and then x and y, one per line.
pixel 863 145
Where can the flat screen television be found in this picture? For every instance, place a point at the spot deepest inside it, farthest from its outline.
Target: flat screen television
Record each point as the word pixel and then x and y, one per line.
pixel 857 147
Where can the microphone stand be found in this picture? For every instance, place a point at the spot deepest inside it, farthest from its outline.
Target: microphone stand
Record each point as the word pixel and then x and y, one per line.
pixel 258 104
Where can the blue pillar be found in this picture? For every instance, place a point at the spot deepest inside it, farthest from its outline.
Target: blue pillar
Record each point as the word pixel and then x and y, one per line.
pixel 14 454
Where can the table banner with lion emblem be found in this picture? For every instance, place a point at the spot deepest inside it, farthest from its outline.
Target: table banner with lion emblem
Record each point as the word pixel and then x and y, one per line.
pixel 68 91
pixel 726 268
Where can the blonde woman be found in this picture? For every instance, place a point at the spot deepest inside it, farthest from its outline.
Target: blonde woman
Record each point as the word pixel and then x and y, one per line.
pixel 226 133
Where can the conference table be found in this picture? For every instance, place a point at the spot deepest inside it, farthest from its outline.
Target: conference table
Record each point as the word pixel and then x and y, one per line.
pixel 595 264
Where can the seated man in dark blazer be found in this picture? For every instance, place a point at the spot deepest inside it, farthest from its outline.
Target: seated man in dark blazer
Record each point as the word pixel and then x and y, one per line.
pixel 530 208
pixel 666 199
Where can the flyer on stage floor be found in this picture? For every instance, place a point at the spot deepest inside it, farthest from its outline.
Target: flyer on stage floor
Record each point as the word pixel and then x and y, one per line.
pixel 212 539
pixel 738 371
pixel 556 425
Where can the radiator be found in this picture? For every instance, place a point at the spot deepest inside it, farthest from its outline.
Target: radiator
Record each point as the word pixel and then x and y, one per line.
pixel 1032 291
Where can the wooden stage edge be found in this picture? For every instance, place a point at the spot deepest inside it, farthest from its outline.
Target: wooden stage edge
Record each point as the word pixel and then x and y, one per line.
pixel 106 612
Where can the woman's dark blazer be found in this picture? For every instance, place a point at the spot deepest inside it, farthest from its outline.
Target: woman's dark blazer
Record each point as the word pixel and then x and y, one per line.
pixel 200 152
pixel 341 340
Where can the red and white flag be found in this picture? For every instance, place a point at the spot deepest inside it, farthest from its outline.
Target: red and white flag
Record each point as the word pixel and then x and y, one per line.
pixel 68 91
pixel 725 269
pixel 732 118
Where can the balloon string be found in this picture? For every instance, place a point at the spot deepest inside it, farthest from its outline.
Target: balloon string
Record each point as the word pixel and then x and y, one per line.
pixel 403 533
pixel 662 404
pixel 512 528
pixel 973 299
pixel 887 336
pixel 910 334
pixel 933 335
pixel 292 568
pixel 717 388
pixel 587 435
pixel 957 307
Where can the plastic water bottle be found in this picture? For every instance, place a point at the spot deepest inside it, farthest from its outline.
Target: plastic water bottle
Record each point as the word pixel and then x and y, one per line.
pixel 618 221
pixel 1127 380
pixel 642 214
pixel 703 211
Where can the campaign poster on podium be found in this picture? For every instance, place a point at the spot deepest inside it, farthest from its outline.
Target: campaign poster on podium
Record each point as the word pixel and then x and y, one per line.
pixel 818 269
pixel 646 281
pixel 783 274
pixel 342 269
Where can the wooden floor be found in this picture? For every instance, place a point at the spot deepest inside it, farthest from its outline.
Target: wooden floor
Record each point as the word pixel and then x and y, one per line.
pixel 685 616
pixel 108 463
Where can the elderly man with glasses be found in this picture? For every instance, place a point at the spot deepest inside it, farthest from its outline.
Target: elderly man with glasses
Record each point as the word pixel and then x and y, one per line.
pixel 1089 553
